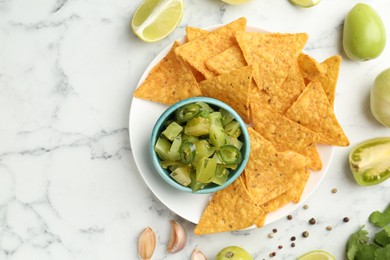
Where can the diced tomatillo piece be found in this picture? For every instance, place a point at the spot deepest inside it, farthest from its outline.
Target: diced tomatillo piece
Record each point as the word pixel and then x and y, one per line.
pixel 205 169
pixel 226 117
pixel 172 130
pixel 230 154
pixel 187 112
pixel 196 185
pixel 203 150
pixel 370 161
pixel 217 135
pixel 197 126
pixel 221 175
pixel 205 109
pixel 233 129
pixel 187 152
pixel 182 175
pixel 162 148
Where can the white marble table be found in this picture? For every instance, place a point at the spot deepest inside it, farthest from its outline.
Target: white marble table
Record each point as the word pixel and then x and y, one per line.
pixel 69 187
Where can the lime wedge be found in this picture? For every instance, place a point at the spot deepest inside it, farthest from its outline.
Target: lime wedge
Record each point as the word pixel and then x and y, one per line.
pixel 235 2
pixel 317 255
pixel 305 3
pixel 155 19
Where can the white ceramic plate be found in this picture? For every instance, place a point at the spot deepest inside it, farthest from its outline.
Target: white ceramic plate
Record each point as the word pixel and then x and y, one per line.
pixel 144 114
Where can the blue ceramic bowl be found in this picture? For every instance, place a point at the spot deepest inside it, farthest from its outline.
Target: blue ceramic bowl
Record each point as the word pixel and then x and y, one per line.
pixel 168 114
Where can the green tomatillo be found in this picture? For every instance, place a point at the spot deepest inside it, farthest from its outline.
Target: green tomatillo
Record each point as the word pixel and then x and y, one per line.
pixel 233 253
pixel 380 98
pixel 364 35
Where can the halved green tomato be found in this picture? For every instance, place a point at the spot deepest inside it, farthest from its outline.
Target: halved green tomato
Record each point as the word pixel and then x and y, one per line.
pixel 370 161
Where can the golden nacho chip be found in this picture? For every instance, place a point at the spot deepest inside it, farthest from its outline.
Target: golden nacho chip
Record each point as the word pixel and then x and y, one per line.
pixel 169 81
pixel 283 133
pixel 231 88
pixel 271 55
pixel 259 222
pixel 257 97
pixel 226 61
pixel 202 48
pixel 230 209
pixel 309 67
pixel 311 152
pixel 283 96
pixel 264 178
pixel 329 79
pixel 313 110
pixel 193 33
pixel 296 178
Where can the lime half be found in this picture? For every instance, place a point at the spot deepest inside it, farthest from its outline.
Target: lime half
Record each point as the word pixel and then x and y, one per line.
pixel 155 19
pixel 317 255
pixel 235 2
pixel 305 3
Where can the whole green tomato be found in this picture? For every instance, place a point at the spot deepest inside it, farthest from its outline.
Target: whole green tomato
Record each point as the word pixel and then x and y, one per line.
pixel 380 98
pixel 364 35
pixel 233 253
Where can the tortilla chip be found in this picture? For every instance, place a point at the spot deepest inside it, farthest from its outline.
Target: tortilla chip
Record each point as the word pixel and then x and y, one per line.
pixel 311 152
pixel 193 33
pixel 231 88
pixel 283 133
pixel 296 176
pixel 169 81
pixel 271 55
pixel 329 79
pixel 283 96
pixel 230 209
pixel 309 67
pixel 257 97
pixel 259 222
pixel 313 110
pixel 226 61
pixel 264 178
pixel 202 48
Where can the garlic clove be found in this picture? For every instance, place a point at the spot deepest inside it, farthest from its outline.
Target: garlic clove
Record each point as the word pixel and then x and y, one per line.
pixel 146 244
pixel 197 254
pixel 178 238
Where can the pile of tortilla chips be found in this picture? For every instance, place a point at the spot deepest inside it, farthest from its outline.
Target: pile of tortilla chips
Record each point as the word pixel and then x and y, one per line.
pixel 285 96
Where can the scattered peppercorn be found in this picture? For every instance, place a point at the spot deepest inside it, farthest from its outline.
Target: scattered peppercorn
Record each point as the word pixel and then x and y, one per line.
pixel 292 238
pixel 280 246
pixel 346 219
pixel 334 190
pixel 305 234
pixel 329 228
pixel 312 221
pixel 289 217
pixel 305 206
pixel 270 235
pixel 274 230
pixel 272 254
pixel 292 244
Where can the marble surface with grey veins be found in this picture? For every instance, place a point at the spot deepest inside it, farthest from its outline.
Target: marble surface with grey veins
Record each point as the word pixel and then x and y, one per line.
pixel 69 186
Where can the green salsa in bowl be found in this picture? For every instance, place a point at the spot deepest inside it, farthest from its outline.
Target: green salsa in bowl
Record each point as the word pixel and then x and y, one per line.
pixel 199 145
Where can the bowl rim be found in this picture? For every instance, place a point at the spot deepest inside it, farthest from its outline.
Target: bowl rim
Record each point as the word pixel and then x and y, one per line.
pixel 155 133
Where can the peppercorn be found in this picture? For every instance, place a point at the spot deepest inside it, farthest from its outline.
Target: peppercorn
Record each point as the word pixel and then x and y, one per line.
pixel 280 246
pixel 272 254
pixel 305 234
pixel 274 230
pixel 292 238
pixel 312 221
pixel 289 217
pixel 329 228
pixel 334 190
pixel 292 244
pixel 346 219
